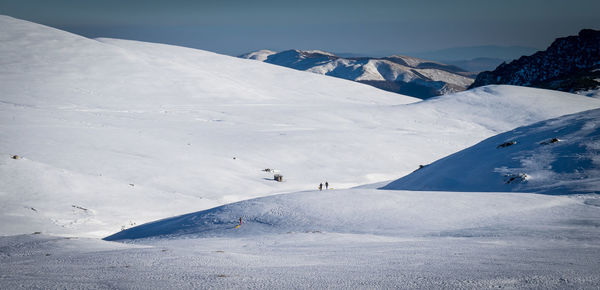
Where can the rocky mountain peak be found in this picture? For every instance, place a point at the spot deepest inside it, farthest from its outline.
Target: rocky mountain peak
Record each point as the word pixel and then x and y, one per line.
pixel 568 64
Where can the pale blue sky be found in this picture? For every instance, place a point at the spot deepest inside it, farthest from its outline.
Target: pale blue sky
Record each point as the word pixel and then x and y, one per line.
pixel 375 27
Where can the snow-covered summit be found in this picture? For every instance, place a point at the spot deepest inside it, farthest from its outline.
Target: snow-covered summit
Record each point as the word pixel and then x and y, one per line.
pixel 260 55
pixel 318 51
pixel 403 74
pixel 557 156
pixel 413 61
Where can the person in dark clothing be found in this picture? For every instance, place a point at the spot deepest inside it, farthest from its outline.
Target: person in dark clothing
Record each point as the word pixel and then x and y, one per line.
pixel 320 186
pixel 326 185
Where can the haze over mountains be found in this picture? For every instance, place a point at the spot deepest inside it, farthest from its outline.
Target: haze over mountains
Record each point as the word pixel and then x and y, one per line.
pixel 170 148
pixel 476 58
pixel 400 74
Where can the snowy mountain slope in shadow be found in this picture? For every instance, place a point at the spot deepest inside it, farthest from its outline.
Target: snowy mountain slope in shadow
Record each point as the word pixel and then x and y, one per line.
pixel 557 156
pixel 358 211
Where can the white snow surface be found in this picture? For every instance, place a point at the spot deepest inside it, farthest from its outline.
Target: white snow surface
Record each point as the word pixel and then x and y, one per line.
pixel 593 93
pixel 112 133
pixel 557 156
pixel 403 69
pixel 425 240
pixel 260 55
pixel 355 211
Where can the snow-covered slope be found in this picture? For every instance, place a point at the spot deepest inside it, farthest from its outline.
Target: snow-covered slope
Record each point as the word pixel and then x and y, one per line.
pixel 594 93
pixel 112 133
pixel 356 211
pixel 557 156
pixel 111 130
pixel 402 74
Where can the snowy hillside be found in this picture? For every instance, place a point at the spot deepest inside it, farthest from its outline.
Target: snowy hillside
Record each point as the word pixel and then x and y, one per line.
pixel 558 156
pixel 100 136
pixel 402 74
pixel 113 133
pixel 356 211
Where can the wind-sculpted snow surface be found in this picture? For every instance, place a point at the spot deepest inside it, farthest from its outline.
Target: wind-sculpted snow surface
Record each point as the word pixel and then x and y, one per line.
pixel 116 133
pixel 101 136
pixel 356 211
pixel 557 156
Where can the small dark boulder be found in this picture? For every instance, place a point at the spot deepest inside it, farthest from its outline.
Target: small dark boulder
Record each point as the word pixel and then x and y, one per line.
pixel 506 144
pixel 421 166
pixel 551 141
pixel 515 178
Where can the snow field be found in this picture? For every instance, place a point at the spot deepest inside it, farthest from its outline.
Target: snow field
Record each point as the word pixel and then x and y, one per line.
pixel 550 246
pixel 112 134
pixel 356 211
pixel 557 156
pixel 136 132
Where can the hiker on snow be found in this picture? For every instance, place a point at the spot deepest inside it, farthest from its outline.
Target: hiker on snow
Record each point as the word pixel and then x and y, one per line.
pixel 326 185
pixel 320 186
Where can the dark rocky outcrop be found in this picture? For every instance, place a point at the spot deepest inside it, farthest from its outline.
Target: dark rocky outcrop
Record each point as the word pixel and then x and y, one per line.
pixel 570 64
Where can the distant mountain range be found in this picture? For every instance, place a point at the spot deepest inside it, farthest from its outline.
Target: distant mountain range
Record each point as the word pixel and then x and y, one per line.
pixel 570 64
pixel 477 64
pixel 400 74
pixel 476 58
pixel 447 55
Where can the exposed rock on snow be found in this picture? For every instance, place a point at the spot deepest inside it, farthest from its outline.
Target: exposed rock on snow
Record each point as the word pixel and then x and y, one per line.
pixel 506 144
pixel 551 141
pixel 594 92
pixel 515 178
pixel 538 163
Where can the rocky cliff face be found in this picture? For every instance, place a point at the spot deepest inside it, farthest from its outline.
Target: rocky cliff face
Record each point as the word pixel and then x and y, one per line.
pixel 570 64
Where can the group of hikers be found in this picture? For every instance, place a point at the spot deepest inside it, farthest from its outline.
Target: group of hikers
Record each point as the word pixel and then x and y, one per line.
pixel 321 185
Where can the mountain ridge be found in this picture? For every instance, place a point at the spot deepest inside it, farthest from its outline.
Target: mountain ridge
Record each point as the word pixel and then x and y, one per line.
pixel 401 74
pixel 569 64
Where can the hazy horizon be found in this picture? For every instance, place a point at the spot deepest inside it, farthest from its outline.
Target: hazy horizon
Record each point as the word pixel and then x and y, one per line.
pixel 375 29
